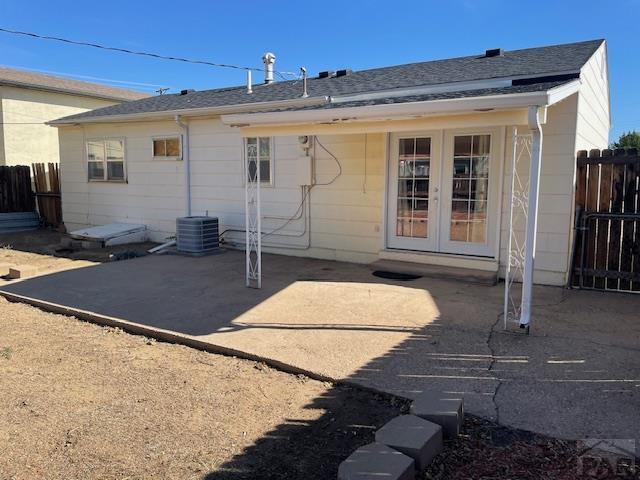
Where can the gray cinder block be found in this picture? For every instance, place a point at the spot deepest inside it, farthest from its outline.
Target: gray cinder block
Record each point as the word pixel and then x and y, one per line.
pixel 442 408
pixel 415 437
pixel 376 461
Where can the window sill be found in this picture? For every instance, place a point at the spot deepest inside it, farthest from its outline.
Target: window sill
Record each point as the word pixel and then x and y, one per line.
pixel 107 181
pixel 167 159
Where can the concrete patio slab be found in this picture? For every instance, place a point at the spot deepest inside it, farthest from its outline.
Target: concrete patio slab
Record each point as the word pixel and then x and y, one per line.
pixel 577 375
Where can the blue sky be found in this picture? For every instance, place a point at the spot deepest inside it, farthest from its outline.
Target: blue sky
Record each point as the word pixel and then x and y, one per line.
pixel 319 35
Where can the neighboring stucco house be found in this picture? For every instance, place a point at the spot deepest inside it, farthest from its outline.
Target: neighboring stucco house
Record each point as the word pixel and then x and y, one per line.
pixel 28 100
pixel 410 162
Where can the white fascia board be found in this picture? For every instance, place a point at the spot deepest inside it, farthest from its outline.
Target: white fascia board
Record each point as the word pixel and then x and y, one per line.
pixel 408 109
pixel 194 112
pixel 561 92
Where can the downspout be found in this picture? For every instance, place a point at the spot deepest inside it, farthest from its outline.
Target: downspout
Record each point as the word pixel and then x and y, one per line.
pixel 187 163
pixel 532 214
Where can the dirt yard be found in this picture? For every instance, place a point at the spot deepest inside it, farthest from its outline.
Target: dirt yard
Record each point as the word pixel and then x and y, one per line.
pixel 82 401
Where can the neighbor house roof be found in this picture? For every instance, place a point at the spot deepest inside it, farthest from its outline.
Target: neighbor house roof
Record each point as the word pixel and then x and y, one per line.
pixel 528 70
pixel 39 81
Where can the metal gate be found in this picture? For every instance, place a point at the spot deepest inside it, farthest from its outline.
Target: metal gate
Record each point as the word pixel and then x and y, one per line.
pixel 607 237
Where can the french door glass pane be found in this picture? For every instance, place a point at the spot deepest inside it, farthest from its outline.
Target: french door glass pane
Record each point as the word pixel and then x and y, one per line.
pixel 414 165
pixel 470 185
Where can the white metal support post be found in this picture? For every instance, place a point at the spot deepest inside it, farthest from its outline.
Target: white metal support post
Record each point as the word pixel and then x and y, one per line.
pixel 532 215
pixel 253 248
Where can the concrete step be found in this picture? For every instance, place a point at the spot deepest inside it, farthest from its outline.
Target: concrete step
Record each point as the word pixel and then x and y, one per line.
pixel 415 437
pixel 446 410
pixel 376 461
pixel 468 275
pixel 18 216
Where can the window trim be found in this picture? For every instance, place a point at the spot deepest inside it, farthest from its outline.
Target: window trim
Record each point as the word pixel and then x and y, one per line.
pixel 105 161
pixel 167 158
pixel 263 183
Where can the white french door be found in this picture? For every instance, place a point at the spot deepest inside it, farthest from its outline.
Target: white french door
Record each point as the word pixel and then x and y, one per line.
pixel 413 191
pixel 444 191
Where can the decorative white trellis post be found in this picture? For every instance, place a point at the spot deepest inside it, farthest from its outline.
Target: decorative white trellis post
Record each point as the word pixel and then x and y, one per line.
pixel 527 148
pixel 517 219
pixel 253 248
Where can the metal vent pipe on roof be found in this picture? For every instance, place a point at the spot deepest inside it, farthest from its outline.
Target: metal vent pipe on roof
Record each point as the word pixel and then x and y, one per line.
pixel 268 59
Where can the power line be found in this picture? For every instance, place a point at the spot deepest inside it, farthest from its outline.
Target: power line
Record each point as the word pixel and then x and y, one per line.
pixel 131 52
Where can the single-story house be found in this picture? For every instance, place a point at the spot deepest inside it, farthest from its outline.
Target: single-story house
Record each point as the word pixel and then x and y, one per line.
pixel 30 99
pixel 409 163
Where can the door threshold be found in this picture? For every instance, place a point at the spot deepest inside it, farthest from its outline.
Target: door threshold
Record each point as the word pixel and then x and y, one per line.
pixel 441 259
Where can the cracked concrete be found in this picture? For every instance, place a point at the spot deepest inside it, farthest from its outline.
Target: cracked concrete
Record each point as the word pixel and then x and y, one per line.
pixel 577 374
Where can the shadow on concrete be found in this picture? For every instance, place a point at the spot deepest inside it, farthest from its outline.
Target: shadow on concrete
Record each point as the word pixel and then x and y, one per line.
pixel 577 375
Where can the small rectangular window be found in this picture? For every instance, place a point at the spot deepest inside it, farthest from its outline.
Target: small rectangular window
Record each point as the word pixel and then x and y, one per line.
pixel 167 148
pixel 105 160
pixel 258 152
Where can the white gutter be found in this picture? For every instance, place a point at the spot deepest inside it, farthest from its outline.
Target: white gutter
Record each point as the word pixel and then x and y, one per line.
pixel 532 214
pixel 218 110
pixel 404 110
pixel 187 163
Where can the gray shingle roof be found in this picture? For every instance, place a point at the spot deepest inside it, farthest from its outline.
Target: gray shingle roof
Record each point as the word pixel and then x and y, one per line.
pixel 25 78
pixel 482 92
pixel 528 62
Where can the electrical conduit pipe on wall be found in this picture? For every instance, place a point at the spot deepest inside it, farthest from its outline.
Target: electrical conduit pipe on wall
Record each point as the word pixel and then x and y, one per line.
pixel 187 164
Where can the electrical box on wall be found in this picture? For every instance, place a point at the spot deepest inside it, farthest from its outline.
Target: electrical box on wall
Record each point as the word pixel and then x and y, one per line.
pixel 303 171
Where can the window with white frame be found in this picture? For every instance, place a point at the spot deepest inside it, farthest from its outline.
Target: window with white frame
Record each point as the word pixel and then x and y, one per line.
pixel 105 160
pixel 259 152
pixel 167 148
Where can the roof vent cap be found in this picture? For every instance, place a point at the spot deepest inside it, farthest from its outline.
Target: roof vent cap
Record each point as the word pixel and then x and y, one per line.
pixel 344 72
pixel 268 59
pixel 494 52
pixel 327 74
pixel 188 90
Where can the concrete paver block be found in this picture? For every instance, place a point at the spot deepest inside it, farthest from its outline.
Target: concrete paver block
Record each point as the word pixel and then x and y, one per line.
pixel 22 271
pixel 375 461
pixel 415 437
pixel 442 408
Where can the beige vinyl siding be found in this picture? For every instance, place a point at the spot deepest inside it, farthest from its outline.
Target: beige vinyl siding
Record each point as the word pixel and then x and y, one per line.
pixel 346 217
pixel 24 137
pixel 154 194
pixel 592 130
pixel 345 220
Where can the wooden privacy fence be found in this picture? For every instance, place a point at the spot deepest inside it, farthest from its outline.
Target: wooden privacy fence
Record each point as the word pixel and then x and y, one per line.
pixel 15 190
pixel 47 183
pixel 607 249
